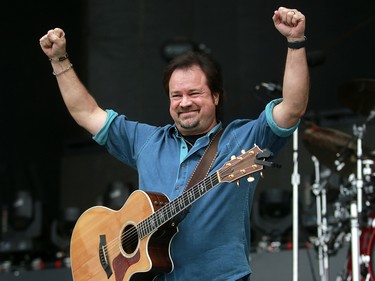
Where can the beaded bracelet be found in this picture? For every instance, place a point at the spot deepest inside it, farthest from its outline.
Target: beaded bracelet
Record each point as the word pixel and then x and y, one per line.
pixel 60 59
pixel 63 71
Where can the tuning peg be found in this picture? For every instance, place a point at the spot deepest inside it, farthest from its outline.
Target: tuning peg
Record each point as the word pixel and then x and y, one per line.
pixel 243 151
pixel 238 183
pixel 261 174
pixel 250 179
pixel 232 157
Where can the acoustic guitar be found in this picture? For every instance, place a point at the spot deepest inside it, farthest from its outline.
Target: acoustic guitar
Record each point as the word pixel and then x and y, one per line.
pixel 133 243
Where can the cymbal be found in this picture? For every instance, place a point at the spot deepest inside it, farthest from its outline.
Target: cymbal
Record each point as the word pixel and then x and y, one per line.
pixel 330 145
pixel 358 95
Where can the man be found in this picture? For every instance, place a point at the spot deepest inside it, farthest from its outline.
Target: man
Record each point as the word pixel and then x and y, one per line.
pixel 213 241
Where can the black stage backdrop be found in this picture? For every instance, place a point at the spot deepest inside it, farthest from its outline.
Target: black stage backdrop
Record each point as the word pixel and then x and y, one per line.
pixel 115 47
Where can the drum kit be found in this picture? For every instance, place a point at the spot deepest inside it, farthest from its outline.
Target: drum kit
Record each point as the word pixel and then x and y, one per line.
pixel 354 209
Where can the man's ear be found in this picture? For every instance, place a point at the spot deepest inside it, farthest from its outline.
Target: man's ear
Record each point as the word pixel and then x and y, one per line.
pixel 216 97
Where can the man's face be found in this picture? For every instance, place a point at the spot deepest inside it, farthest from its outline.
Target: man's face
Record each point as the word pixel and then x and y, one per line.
pixel 192 105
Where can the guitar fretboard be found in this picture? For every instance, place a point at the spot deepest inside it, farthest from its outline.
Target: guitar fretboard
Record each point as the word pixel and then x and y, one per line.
pixel 175 207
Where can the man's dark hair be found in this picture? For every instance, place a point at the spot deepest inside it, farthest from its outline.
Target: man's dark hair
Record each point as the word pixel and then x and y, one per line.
pixel 210 68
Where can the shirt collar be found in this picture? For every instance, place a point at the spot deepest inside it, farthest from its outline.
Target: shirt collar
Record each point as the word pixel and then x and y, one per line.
pixel 174 131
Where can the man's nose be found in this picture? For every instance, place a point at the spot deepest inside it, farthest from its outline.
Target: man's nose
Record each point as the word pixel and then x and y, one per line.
pixel 185 101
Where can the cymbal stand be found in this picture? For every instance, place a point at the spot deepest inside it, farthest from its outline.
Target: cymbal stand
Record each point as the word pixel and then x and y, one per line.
pixel 321 219
pixel 359 132
pixel 356 206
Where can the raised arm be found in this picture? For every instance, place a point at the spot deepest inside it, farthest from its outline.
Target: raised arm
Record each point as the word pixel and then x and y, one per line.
pixel 291 24
pixel 78 100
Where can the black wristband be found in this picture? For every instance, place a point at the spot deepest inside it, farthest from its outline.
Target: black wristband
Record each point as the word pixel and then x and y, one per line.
pixel 297 44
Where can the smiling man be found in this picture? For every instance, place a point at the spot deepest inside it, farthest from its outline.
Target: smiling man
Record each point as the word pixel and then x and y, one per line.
pixel 192 104
pixel 213 241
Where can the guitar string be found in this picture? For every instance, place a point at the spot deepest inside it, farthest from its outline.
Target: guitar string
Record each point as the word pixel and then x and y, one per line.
pixel 132 235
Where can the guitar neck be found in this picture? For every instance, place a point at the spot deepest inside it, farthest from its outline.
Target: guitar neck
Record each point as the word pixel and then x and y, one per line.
pixel 175 207
pixel 231 171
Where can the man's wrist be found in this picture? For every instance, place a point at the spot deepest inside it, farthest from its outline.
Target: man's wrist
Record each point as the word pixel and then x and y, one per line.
pixel 59 59
pixel 297 43
pixel 61 67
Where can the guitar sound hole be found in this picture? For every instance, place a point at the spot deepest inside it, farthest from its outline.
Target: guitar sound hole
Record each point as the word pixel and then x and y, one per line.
pixel 129 239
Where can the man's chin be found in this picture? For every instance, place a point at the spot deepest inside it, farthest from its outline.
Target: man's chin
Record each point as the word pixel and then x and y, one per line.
pixel 188 125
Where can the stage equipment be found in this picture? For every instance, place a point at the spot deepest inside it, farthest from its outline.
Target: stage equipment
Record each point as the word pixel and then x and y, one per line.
pixel 333 148
pixel 319 190
pixel 351 159
pixel 116 194
pixel 366 231
pixel 328 227
pixel 269 87
pixel 21 223
pixel 295 180
pixel 359 96
pixel 272 212
pixel 345 155
pixel 62 228
pixel 22 210
pixel 180 45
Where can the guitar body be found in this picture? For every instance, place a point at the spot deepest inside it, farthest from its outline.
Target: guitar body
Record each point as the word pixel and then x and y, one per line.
pixel 106 245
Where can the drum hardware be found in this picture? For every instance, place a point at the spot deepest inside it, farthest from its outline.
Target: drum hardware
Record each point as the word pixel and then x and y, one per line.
pixel 337 241
pixel 368 180
pixel 348 210
pixel 364 265
pixel 349 157
pixel 341 212
pixel 354 226
pixel 364 260
pixel 358 95
pixel 368 189
pixel 326 143
pixel 356 206
pixel 319 191
pixel 334 149
pixel 371 222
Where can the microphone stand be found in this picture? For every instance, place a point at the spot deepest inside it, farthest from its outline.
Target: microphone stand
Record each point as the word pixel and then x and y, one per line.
pixel 295 182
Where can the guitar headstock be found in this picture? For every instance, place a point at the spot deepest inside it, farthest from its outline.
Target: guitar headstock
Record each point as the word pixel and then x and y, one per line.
pixel 240 166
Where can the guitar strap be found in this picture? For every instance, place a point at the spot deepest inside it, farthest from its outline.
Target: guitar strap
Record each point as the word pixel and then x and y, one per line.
pixel 201 170
pixel 204 165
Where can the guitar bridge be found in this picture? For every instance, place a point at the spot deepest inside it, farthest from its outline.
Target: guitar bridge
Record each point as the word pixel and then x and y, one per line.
pixel 103 256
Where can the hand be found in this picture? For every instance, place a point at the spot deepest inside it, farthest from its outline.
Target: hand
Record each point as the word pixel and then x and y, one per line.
pixel 290 23
pixel 53 43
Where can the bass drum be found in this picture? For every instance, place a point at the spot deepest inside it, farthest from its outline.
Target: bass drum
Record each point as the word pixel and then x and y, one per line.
pixel 367 252
pixel 367 239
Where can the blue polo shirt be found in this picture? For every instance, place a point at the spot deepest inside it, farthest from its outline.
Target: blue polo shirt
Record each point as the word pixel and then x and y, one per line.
pixel 213 242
